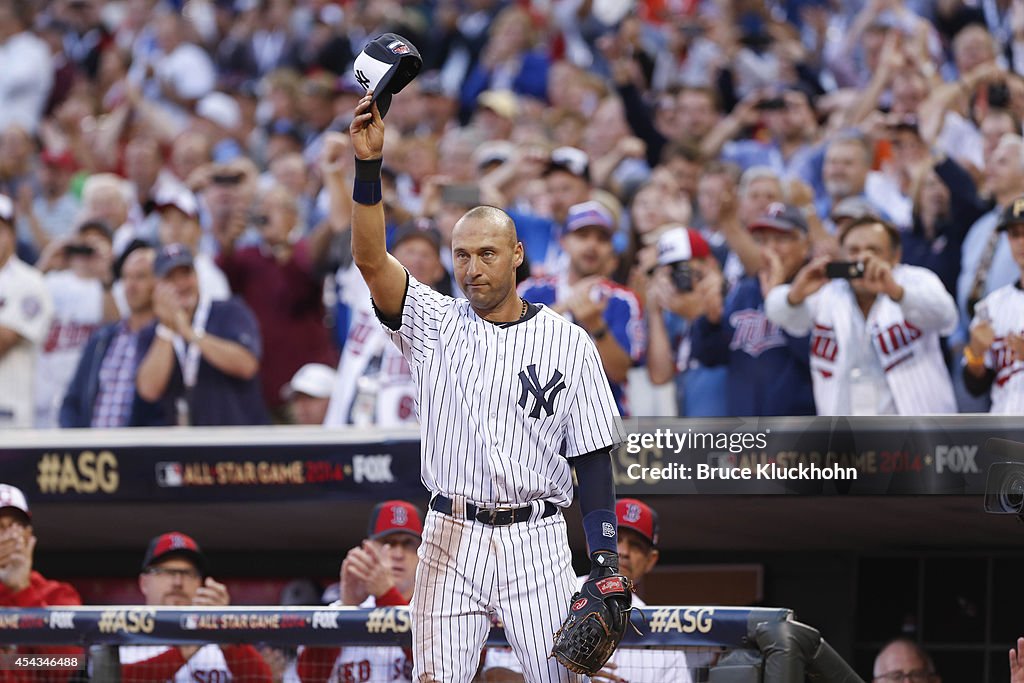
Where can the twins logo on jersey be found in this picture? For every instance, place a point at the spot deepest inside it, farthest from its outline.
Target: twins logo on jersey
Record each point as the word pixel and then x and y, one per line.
pixel 754 333
pixel 824 345
pixel 67 335
pixel 894 343
pixel 543 396
pixel 1005 363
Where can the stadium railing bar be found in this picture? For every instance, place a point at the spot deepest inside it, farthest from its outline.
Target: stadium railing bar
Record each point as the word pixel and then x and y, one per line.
pixel 725 644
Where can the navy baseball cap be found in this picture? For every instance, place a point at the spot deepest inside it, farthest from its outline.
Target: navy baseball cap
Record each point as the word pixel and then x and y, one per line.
pixel 422 228
pixel 589 214
pixel 387 64
pixel 174 544
pixel 172 256
pixel 570 160
pixel 395 516
pixel 780 217
pixel 1013 214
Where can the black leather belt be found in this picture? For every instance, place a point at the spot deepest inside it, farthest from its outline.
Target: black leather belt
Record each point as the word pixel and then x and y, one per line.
pixel 495 516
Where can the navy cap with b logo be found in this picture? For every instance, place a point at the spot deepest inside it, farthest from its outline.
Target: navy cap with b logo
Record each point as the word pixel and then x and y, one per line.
pixel 387 64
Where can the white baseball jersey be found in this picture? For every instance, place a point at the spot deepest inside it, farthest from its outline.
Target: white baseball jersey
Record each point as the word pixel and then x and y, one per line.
pixel 634 665
pixel 207 664
pixel 77 312
pixel 1004 308
pixel 501 409
pixel 497 402
pixel 374 384
pixel 859 366
pixel 25 308
pixel 360 663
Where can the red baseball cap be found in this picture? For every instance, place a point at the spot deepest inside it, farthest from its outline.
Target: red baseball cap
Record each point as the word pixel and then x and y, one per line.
pixel 395 516
pixel 177 544
pixel 639 517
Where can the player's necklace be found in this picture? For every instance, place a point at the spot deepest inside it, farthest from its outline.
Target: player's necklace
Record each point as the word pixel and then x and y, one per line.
pixel 522 314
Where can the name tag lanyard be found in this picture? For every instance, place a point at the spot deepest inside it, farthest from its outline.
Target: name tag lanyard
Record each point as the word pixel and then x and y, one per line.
pixel 188 360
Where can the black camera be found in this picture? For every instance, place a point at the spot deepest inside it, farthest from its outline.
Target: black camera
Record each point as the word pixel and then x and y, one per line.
pixel 682 276
pixel 999 95
pixel 1004 489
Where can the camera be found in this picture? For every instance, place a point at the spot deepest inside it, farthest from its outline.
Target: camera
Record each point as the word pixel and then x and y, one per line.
pixel 846 270
pixel 682 276
pixel 999 95
pixel 1004 488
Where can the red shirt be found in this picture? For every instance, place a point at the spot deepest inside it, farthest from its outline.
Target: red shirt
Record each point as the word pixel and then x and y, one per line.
pixel 41 592
pixel 287 300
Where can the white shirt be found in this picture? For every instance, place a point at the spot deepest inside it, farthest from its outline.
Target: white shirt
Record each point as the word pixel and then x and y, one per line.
pixel 77 312
pixel 26 308
pixel 25 80
pixel 207 664
pixel 1004 309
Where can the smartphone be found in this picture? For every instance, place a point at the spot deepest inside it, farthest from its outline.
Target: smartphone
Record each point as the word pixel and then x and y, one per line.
pixel 75 249
pixel 771 104
pixel 847 270
pixel 227 178
pixel 463 194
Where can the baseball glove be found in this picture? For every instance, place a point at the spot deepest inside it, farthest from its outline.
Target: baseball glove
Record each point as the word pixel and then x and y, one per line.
pixel 597 619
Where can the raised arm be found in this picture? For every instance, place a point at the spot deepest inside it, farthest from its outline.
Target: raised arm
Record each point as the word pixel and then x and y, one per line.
pixel 382 272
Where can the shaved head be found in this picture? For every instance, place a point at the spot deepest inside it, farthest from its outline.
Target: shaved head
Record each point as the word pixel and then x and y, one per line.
pixel 493 215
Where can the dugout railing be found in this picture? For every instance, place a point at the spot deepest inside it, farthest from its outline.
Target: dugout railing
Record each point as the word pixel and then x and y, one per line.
pixel 721 644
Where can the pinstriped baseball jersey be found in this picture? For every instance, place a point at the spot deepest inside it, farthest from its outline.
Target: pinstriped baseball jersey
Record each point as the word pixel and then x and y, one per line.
pixel 1004 308
pixel 502 406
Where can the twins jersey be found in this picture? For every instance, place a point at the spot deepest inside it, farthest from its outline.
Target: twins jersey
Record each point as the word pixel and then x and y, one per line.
pixel 502 407
pixel 622 315
pixel 1004 308
pixel 25 308
pixel 77 312
pixel 634 665
pixel 374 383
pixel 901 338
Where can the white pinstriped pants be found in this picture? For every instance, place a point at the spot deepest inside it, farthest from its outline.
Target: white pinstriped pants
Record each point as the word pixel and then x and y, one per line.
pixel 468 570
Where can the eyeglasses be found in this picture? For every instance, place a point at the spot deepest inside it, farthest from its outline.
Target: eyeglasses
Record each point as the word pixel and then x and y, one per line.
pixel 170 572
pixel 260 220
pixel 919 675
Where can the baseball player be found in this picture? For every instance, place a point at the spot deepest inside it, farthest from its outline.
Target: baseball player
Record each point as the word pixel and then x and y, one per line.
pixel 507 393
pixel 377 573
pixel 638 553
pixel 875 337
pixel 994 357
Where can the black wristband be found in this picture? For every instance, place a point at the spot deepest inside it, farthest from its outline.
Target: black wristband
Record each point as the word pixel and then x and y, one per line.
pixel 368 169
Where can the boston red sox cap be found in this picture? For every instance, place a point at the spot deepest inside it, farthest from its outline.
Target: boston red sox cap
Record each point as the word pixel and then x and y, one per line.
pixel 387 64
pixel 174 543
pixel 395 516
pixel 638 516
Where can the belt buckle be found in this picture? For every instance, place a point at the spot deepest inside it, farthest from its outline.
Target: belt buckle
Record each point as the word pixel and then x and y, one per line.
pixel 491 515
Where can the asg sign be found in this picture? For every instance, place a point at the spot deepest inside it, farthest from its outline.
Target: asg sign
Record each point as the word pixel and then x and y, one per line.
pixel 956 459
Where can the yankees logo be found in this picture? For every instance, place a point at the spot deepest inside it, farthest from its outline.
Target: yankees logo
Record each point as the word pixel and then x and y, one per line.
pixel 362 79
pixel 544 396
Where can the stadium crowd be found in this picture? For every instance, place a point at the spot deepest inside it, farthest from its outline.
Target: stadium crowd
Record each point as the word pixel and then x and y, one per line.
pixel 687 177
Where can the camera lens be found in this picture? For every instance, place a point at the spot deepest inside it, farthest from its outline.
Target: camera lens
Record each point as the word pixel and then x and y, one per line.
pixel 1011 493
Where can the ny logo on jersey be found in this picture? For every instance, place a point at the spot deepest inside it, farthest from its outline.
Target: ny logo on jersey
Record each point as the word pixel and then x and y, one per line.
pixel 544 396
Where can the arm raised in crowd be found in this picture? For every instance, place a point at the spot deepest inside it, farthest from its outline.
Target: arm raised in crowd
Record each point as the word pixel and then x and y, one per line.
pixel 383 274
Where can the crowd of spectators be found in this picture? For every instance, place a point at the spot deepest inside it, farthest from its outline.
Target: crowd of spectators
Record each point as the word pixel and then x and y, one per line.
pixel 682 173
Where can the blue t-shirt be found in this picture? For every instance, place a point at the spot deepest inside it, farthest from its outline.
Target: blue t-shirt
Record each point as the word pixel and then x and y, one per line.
pixel 219 399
